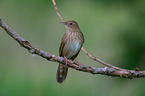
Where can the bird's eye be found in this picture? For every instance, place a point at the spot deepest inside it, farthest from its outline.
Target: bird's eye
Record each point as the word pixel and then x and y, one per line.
pixel 70 23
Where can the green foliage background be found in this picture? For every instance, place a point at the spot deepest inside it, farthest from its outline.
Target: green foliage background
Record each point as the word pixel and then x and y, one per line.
pixel 114 31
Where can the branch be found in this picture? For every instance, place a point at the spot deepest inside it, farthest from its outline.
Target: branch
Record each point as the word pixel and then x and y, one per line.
pixel 93 70
pixel 114 71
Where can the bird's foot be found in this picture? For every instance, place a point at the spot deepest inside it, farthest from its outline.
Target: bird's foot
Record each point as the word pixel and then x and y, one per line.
pixel 77 62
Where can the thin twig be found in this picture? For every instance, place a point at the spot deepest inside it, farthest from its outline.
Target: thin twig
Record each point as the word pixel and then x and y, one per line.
pixel 100 61
pixel 56 10
pixel 83 49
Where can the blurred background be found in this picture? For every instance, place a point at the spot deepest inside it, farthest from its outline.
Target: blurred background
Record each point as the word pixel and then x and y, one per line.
pixel 114 31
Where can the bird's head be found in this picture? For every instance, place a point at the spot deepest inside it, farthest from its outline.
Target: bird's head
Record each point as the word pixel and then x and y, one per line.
pixel 71 26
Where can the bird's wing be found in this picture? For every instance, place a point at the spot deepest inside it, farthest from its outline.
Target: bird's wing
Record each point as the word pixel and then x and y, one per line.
pixel 63 42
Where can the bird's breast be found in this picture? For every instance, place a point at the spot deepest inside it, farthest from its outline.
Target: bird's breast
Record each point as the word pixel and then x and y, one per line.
pixel 74 45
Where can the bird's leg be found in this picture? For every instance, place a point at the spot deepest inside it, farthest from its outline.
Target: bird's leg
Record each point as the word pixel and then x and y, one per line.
pixel 77 61
pixel 66 60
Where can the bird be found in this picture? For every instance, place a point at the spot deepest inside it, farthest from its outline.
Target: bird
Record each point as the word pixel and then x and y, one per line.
pixel 70 47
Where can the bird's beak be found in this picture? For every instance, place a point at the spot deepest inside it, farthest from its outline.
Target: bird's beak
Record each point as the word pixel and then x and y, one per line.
pixel 62 23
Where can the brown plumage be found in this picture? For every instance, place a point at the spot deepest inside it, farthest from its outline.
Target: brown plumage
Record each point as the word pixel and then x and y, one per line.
pixel 70 46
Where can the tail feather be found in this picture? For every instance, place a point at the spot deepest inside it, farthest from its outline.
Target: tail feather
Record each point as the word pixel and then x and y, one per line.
pixel 61 73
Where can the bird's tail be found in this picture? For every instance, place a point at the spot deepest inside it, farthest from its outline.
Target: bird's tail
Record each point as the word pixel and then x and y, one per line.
pixel 61 73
